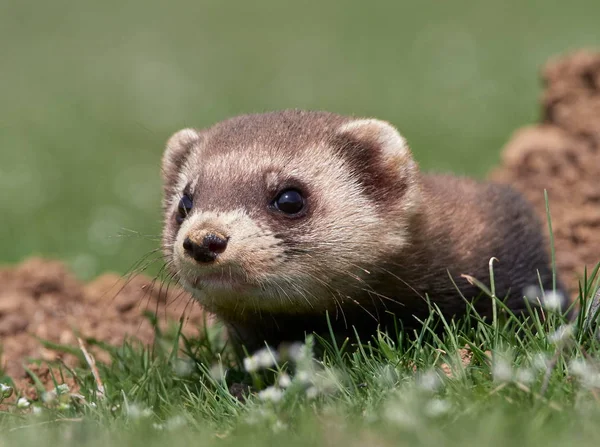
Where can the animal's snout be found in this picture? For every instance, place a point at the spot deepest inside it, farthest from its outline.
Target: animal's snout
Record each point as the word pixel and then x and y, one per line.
pixel 207 250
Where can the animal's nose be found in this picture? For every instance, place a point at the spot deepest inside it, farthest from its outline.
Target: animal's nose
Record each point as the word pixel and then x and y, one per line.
pixel 207 251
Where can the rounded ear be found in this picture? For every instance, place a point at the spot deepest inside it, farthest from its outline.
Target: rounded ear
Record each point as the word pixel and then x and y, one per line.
pixel 380 157
pixel 176 153
pixel 384 137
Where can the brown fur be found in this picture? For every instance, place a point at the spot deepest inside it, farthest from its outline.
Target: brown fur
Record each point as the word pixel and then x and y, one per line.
pixel 375 240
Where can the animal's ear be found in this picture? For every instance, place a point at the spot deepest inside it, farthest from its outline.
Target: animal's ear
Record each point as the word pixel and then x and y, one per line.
pixel 380 157
pixel 380 137
pixel 176 153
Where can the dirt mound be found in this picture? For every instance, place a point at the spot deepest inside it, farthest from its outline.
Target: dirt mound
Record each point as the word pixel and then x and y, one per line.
pixel 562 155
pixel 41 299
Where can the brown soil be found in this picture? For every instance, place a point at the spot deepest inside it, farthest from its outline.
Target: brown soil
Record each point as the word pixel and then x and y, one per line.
pixel 562 154
pixel 41 299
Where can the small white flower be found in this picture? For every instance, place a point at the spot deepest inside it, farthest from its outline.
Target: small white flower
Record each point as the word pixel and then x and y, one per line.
pixel 553 300
pixel 579 367
pixel 429 381
pixel 279 426
pixel 36 410
pixel 549 299
pixel 23 403
pixel 62 389
pixel 312 392
pixel 304 377
pixel 136 412
pixel 183 367
pixel 562 334
pixel 93 405
pixel 326 381
pixel 271 394
pixel 49 396
pixel 587 374
pixel 501 370
pixel 396 413
pixel 524 376
pixel 217 372
pixel 533 293
pixel 257 416
pixel 437 407
pixel 540 362
pixel 266 358
pixel 5 391
pixel 284 380
pixel 175 422
pixel 297 351
pixel 251 364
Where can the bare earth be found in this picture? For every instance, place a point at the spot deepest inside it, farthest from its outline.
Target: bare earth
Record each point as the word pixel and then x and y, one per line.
pixel 41 298
pixel 562 155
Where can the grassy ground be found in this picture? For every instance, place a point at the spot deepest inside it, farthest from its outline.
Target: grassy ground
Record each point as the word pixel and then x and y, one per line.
pixel 534 383
pixel 89 92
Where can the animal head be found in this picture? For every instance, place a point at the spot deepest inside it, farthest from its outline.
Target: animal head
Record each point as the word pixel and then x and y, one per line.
pixel 284 211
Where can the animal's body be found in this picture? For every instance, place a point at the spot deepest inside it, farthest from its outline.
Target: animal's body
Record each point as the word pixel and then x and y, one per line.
pixel 274 220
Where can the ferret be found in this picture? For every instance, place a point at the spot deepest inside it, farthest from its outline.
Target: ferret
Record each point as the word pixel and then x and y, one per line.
pixel 293 222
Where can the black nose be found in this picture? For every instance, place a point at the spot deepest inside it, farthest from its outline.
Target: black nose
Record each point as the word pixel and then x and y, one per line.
pixel 211 246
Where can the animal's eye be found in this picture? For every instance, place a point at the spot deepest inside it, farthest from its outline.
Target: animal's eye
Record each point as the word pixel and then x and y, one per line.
pixel 184 208
pixel 289 201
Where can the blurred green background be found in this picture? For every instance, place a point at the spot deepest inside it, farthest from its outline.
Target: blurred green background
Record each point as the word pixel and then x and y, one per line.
pixel 90 91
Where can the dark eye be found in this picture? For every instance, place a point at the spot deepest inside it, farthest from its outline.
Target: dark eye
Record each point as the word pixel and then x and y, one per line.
pixel 184 208
pixel 289 201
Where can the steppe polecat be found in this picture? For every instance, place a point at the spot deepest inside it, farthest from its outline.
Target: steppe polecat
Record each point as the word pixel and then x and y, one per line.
pixel 273 219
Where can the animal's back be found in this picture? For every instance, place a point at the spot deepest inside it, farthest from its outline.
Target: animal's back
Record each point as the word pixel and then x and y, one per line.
pixel 470 222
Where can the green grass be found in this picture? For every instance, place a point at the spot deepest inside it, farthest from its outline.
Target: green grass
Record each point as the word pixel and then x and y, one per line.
pixel 90 91
pixel 528 383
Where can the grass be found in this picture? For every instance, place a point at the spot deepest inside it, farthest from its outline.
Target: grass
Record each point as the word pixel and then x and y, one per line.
pixel 90 91
pixel 534 382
